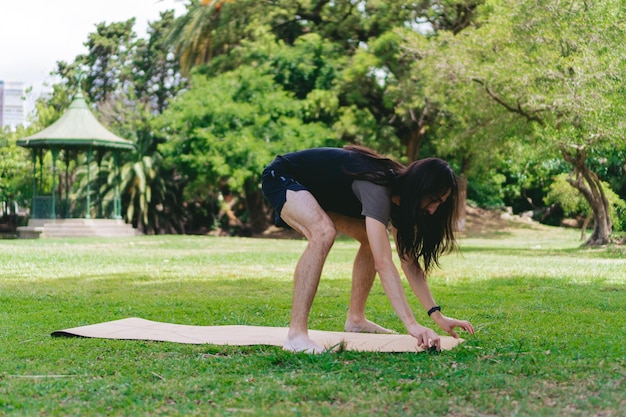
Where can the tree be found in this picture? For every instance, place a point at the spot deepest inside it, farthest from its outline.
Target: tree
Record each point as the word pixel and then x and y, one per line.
pixel 109 59
pixel 380 104
pixel 130 80
pixel 156 72
pixel 574 204
pixel 15 177
pixel 341 58
pixel 555 65
pixel 222 133
pixel 209 28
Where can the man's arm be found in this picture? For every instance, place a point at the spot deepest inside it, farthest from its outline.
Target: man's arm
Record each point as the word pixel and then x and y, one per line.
pixel 417 280
pixel 392 284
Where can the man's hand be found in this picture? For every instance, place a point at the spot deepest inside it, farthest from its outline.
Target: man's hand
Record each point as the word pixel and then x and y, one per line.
pixel 426 338
pixel 448 324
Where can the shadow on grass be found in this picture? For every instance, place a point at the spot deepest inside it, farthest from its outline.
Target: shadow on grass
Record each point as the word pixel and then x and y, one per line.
pixel 577 252
pixel 487 234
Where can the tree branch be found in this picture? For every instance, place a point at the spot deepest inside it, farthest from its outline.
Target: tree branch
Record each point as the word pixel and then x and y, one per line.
pixel 513 109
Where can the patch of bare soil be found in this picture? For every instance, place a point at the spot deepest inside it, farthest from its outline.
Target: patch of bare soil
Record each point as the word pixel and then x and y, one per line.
pixel 477 222
pixel 482 221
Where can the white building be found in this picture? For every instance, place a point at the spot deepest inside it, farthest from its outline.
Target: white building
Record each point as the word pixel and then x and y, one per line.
pixel 11 104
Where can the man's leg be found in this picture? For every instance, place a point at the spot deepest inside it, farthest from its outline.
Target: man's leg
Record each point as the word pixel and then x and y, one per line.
pixel 363 275
pixel 302 212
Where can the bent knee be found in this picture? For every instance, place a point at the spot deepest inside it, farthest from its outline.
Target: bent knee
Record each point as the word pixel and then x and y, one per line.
pixel 324 234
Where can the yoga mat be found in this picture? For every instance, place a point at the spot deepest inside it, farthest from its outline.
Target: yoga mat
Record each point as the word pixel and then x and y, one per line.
pixel 134 328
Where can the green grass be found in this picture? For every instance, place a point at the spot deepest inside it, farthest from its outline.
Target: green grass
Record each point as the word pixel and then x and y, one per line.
pixel 549 315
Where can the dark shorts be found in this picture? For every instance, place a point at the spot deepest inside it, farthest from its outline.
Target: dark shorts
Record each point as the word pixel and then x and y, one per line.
pixel 275 182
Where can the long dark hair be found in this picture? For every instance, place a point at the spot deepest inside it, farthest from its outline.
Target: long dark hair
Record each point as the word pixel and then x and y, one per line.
pixel 382 170
pixel 419 235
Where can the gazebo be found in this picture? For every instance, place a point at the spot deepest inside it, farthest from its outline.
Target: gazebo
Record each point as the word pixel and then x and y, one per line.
pixel 76 131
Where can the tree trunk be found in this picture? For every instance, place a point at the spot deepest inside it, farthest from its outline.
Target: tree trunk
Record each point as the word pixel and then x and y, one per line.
pixel 413 142
pixel 461 210
pixel 583 231
pixel 412 132
pixel 255 205
pixel 590 186
pixel 462 184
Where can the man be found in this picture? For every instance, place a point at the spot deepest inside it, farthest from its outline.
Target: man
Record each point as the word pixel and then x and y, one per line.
pixel 358 192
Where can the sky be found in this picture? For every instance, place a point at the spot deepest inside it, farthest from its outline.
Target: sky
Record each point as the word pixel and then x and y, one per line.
pixel 35 34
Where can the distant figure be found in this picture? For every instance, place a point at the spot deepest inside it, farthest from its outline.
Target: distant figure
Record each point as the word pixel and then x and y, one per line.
pixel 358 192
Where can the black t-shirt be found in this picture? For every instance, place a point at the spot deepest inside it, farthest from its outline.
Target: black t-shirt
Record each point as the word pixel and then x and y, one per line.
pixel 325 173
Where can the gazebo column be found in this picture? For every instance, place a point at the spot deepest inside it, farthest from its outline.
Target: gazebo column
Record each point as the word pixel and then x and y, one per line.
pixel 40 169
pixel 99 156
pixel 117 200
pixel 42 203
pixel 34 182
pixel 66 153
pixel 88 213
pixel 55 155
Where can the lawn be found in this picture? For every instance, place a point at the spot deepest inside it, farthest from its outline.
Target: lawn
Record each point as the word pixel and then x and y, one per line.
pixel 549 315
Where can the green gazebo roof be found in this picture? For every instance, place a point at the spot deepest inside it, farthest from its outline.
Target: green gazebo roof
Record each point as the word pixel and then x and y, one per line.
pixel 77 128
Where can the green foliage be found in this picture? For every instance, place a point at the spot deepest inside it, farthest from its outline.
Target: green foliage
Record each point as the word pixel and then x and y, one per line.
pixel 348 50
pixel 573 204
pixel 128 81
pixel 527 178
pixel 220 135
pixel 15 169
pixel 570 200
pixel 109 59
pixel 498 88
pixel 49 109
pixel 154 203
pixel 156 75
pixel 307 66
pixel 544 75
pixel 610 165
pixel 226 129
pixel 209 29
pixel 487 194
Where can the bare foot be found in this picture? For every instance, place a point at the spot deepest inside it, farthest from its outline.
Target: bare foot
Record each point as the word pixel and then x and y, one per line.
pixel 302 344
pixel 365 326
